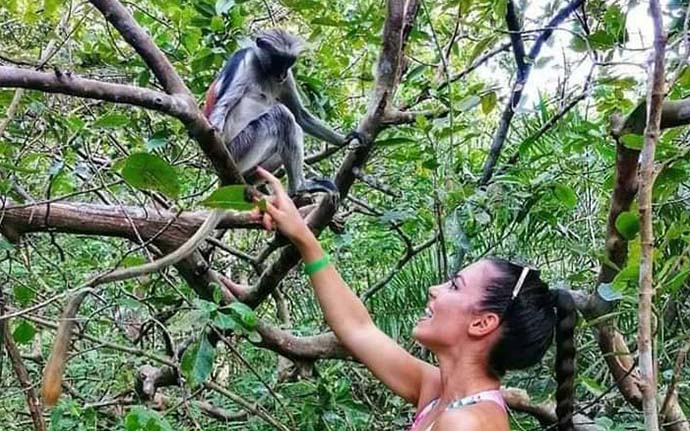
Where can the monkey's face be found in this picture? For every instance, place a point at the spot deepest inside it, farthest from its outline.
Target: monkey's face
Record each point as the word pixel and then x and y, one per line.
pixel 453 318
pixel 276 61
pixel 280 66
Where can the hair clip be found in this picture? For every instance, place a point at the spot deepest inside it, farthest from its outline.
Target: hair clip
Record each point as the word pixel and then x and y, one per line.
pixel 520 281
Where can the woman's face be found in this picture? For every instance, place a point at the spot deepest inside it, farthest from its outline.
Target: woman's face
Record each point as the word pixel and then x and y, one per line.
pixel 452 312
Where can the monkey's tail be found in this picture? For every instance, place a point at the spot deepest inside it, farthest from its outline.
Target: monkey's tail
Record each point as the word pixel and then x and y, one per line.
pixel 52 374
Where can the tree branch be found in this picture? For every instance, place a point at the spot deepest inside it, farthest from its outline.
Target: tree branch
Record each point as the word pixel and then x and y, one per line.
pixel 514 27
pixel 138 38
pixel 168 229
pixel 501 133
pixel 645 340
pixel 72 85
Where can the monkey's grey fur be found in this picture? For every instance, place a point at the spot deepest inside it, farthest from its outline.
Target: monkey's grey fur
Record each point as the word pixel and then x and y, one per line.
pixel 255 104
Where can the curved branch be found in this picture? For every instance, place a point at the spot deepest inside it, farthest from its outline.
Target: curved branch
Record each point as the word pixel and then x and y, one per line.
pixel 137 37
pixel 72 85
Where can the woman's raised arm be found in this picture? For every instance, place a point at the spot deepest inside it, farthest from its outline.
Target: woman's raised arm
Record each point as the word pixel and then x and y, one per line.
pixel 344 312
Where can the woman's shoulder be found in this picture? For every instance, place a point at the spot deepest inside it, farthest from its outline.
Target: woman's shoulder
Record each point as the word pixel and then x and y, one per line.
pixel 477 417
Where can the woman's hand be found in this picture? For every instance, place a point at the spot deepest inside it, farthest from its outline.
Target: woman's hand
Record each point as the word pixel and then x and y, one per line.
pixel 281 212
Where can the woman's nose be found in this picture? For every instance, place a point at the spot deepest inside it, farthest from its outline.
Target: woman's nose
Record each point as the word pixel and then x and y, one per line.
pixel 433 292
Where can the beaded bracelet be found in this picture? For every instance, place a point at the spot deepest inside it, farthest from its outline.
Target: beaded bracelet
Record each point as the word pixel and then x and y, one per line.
pixel 317 265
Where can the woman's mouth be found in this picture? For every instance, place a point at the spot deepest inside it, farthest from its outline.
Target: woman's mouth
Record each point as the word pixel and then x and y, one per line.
pixel 428 314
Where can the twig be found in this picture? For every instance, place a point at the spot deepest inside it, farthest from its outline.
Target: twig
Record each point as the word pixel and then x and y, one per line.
pixel 655 100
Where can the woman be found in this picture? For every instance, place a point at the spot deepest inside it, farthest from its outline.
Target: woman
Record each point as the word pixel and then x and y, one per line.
pixel 490 317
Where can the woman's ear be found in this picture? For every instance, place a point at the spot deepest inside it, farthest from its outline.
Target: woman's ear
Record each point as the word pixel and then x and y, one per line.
pixel 484 324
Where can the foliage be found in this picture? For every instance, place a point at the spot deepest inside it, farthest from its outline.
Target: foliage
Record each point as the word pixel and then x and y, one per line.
pixel 548 206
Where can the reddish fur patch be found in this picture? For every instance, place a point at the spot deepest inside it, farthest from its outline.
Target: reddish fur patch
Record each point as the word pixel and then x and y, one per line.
pixel 210 99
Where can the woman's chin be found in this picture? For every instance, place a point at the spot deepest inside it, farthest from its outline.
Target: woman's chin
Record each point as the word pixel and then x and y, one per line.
pixel 420 331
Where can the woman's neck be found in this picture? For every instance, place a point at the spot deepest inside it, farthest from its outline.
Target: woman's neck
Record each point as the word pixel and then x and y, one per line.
pixel 462 376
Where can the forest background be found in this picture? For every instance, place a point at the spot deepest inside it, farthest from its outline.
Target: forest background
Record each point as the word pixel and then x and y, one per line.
pixel 493 128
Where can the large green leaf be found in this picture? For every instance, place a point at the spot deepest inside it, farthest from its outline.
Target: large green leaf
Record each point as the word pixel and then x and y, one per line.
pixel 565 195
pixel 628 224
pixel 149 172
pixel 197 361
pixel 228 197
pixel 24 332
pixel 143 419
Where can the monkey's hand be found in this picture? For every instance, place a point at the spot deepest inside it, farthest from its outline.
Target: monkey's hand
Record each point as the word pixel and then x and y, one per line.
pixel 354 140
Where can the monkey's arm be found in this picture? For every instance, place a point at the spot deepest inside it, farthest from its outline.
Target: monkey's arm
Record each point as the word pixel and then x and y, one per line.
pixel 223 104
pixel 310 124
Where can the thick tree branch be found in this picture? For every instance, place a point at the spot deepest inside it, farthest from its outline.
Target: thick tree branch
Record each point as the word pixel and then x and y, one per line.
pixel 297 348
pixel 72 85
pixel 168 229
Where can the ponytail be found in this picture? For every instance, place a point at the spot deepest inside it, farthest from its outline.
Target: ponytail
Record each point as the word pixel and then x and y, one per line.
pixel 566 319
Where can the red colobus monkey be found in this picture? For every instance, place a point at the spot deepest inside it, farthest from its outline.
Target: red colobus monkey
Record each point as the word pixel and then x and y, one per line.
pixel 254 104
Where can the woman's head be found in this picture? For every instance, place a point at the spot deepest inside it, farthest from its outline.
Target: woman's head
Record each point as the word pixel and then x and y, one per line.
pixel 477 313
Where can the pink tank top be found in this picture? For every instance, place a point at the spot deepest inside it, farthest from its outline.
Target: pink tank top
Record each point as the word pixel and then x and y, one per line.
pixel 493 395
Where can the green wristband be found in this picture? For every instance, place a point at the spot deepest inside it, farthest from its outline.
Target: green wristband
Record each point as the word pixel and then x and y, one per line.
pixel 317 265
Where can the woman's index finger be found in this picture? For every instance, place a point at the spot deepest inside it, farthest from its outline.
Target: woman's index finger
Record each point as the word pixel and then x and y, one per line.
pixel 273 181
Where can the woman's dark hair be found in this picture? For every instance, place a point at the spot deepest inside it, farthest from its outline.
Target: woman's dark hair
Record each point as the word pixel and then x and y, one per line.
pixel 527 328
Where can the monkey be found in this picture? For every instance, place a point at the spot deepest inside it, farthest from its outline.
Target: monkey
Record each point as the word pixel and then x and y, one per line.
pixel 55 367
pixel 255 105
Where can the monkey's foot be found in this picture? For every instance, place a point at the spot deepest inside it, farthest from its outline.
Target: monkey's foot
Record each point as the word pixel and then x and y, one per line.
pixel 318 185
pixel 354 140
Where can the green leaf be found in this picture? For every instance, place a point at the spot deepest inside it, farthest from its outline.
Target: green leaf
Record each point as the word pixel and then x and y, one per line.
pixel 23 294
pixel 628 224
pixel 142 419
pixel 632 141
pixel 677 281
pixel 591 385
pixel 111 120
pixel 628 279
pixel 247 316
pixel 224 322
pixel 414 73
pixel 254 337
pixel 5 245
pixel 50 7
pixel 482 45
pixel 24 332
pixel 565 195
pixel 684 78
pixel 602 39
pixel 133 260
pixel 197 361
pixel 468 103
pixel 488 102
pixel 157 140
pixel 228 197
pixel 217 24
pixel 431 163
pixel 149 172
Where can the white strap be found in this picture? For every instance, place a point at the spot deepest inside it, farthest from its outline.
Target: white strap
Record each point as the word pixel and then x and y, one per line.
pixel 520 281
